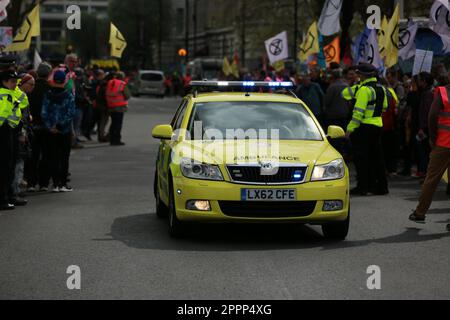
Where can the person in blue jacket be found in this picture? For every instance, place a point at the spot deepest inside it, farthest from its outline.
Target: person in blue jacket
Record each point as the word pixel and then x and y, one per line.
pixel 58 111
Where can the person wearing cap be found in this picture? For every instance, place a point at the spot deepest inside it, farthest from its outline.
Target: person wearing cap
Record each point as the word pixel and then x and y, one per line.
pixel 25 86
pixel 36 168
pixel 9 122
pixel 58 111
pixel 364 131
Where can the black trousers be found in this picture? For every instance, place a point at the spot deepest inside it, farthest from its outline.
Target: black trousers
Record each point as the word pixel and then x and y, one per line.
pixel 368 158
pixel 59 146
pixel 390 150
pixel 7 161
pixel 36 167
pixel 115 130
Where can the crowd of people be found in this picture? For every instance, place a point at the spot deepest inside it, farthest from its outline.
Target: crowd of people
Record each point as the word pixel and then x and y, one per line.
pixel 45 113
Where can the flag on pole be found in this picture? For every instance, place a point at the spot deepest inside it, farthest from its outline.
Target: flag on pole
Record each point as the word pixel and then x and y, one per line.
pixel 234 68
pixel 391 44
pixel 117 41
pixel 382 36
pixel 358 47
pixel 310 44
pixel 369 51
pixel 3 11
pixel 332 52
pixel 407 46
pixel 439 22
pixel 37 59
pixel 329 22
pixel 29 29
pixel 277 47
pixel 226 68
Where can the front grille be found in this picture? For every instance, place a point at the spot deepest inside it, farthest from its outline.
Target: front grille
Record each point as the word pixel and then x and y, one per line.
pixel 252 174
pixel 292 209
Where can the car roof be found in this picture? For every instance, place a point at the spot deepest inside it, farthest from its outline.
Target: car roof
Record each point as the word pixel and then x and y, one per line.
pixel 242 96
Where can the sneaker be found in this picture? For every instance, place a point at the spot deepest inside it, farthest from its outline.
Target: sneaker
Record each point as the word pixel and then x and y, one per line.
pixel 7 207
pixel 56 190
pixel 43 189
pixel 18 202
pixel 31 189
pixel 66 189
pixel 417 219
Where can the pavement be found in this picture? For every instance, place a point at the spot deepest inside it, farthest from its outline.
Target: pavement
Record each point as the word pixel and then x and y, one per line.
pixel 108 228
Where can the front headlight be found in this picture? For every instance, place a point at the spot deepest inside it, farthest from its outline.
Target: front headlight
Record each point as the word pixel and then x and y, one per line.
pixel 195 170
pixel 331 171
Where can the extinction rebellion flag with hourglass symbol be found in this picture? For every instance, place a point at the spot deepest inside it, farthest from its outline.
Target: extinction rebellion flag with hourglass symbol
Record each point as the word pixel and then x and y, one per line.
pixel 277 47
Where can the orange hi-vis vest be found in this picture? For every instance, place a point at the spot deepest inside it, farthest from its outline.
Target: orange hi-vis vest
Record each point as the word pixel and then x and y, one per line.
pixel 115 94
pixel 443 138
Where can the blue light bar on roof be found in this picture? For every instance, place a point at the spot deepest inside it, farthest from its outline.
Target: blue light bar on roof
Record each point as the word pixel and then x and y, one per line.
pixel 242 84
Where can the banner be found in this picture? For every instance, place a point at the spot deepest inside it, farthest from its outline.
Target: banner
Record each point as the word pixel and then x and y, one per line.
pixel 29 29
pixel 277 47
pixel 406 43
pixel 310 44
pixel 117 41
pixel 391 44
pixel 332 52
pixel 329 22
pixel 6 37
pixel 423 61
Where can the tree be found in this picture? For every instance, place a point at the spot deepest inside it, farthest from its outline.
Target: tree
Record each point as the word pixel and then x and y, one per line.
pixel 138 21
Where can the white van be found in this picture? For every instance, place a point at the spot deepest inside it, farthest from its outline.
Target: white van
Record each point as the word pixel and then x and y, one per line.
pixel 150 82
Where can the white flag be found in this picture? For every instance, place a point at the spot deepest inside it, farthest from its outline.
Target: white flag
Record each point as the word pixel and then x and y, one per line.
pixel 37 59
pixel 277 47
pixel 329 22
pixel 439 23
pixel 3 12
pixel 406 43
pixel 371 53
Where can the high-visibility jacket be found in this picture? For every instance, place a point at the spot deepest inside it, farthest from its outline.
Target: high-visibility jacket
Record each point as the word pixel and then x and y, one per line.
pixel 443 136
pixel 8 104
pixel 115 96
pixel 371 102
pixel 20 104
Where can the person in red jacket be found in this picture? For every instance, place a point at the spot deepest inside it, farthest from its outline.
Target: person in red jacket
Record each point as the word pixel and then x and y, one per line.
pixel 439 131
pixel 117 96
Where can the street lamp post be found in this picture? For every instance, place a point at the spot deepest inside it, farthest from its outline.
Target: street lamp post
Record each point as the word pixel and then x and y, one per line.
pixel 295 30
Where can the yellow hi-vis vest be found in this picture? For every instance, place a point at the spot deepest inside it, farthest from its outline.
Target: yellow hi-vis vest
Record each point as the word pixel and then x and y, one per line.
pixel 20 101
pixel 6 106
pixel 371 102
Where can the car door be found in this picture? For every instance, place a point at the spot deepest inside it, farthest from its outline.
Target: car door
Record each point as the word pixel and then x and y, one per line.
pixel 165 152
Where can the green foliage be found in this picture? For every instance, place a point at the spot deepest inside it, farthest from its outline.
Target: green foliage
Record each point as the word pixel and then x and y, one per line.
pixel 138 21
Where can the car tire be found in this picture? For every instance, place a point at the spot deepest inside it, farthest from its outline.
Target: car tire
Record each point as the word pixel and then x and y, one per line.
pixel 337 230
pixel 177 228
pixel 161 209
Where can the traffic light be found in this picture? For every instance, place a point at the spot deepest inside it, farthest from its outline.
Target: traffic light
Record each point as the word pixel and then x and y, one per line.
pixel 182 52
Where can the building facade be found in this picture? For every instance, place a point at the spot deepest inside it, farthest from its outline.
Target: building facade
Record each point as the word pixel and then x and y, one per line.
pixel 53 21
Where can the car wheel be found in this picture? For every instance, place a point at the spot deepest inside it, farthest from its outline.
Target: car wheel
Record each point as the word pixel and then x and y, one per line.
pixel 177 228
pixel 337 230
pixel 161 208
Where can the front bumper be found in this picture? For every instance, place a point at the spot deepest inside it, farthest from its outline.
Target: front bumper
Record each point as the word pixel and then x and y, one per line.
pixel 217 191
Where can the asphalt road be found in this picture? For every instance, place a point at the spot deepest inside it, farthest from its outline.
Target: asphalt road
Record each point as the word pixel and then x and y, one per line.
pixel 108 228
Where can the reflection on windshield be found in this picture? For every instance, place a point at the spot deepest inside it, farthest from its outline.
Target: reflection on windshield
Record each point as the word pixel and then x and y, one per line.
pixel 289 120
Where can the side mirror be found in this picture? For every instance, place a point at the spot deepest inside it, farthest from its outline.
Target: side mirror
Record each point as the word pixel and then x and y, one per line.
pixel 335 132
pixel 163 132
